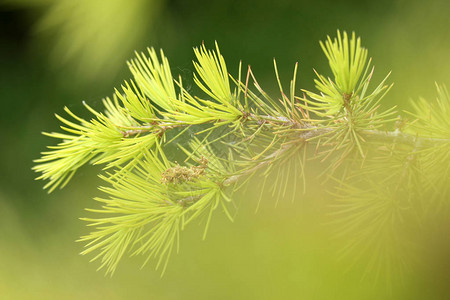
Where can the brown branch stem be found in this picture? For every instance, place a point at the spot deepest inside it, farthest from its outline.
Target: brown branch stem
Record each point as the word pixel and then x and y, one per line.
pixel 307 130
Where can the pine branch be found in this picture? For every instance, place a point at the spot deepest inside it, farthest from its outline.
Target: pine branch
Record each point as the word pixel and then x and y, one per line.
pixel 397 136
pixel 152 199
pixel 307 131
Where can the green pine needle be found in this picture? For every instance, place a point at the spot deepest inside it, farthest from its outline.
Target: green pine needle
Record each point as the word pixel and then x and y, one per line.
pixel 235 132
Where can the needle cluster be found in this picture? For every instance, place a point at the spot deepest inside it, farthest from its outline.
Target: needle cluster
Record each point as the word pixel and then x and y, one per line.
pixel 237 130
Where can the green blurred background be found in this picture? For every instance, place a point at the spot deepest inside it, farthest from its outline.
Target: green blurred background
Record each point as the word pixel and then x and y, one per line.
pixel 58 53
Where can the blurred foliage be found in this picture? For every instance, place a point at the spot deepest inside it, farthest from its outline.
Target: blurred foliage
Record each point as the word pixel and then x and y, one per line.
pixel 262 257
pixel 88 37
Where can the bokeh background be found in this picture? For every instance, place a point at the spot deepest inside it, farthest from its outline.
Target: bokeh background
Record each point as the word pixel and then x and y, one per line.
pixel 56 53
